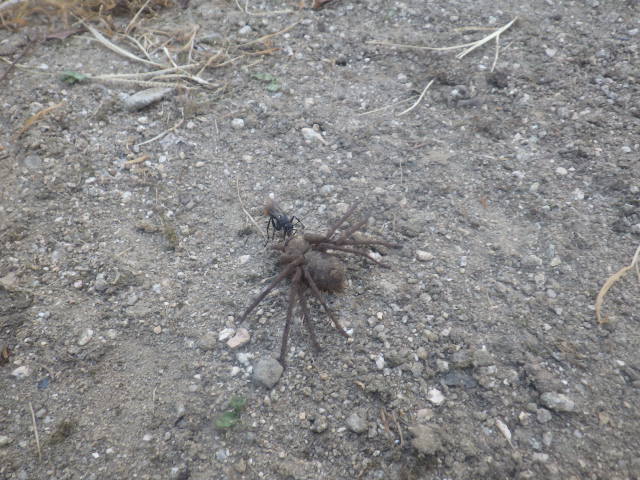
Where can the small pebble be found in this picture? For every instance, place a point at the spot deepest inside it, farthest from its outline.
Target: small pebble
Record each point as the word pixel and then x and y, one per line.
pixel 558 402
pixel 424 414
pixel 85 337
pixel 241 337
pixel 222 454
pixel 147 437
pixel 380 362
pixel 435 396
pixel 245 30
pixel 327 189
pixel 4 441
pixel 561 171
pixel 267 371
pixel 311 135
pixel 540 457
pixel 157 329
pixel 543 415
pixel 356 423
pixel 144 98
pixel 423 256
pixel 21 372
pixel 226 334
pixel 320 424
pixel 237 123
pixel 244 259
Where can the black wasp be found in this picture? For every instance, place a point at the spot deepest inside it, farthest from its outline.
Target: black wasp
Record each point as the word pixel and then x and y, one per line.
pixel 280 221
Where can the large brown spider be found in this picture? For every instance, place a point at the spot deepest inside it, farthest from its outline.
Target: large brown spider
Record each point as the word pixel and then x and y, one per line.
pixel 311 262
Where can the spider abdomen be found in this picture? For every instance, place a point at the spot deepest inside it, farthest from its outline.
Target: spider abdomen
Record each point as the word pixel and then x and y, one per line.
pixel 326 270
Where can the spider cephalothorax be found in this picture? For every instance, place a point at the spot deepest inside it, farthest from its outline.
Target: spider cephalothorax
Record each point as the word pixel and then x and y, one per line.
pixel 311 262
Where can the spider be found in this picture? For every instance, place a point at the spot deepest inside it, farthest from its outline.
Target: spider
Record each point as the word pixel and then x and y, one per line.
pixel 311 262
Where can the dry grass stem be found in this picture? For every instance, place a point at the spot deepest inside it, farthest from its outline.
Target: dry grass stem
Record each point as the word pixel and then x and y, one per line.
pixel 417 102
pixel 132 23
pixel 376 110
pixel 260 14
pixel 35 431
pixel 162 134
pixel 169 72
pixel 468 47
pixel 264 38
pixel 611 281
pixel 119 50
pixel 246 212
pixel 35 118
pixel 11 4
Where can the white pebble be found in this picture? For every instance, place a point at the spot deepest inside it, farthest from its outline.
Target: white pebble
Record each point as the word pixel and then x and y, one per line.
pixel 561 171
pixel 423 256
pixel 380 362
pixel 237 123
pixel 435 396
pixel 85 337
pixel 21 372
pixel 147 437
pixel 244 259
pixel 239 339
pixel 226 334
pixel 311 135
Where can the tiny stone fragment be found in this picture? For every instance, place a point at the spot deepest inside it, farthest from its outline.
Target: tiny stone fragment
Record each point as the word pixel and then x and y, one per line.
pixel 311 135
pixel 226 334
pixel 144 98
pixel 319 424
pixel 356 423
pixel 239 339
pixel 21 372
pixel 267 372
pixel 426 439
pixel 558 402
pixel 435 396
pixel 423 256
pixel 85 337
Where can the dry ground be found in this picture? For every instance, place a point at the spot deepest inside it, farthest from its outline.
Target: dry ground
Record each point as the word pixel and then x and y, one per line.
pixel 514 193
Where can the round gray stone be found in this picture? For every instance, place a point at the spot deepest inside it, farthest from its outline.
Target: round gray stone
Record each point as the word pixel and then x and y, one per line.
pixel 267 371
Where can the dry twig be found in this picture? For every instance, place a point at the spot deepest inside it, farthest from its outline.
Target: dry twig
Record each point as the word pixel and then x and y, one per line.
pixel 417 102
pixel 467 47
pixel 35 118
pixel 613 279
pixel 35 431
pixel 245 210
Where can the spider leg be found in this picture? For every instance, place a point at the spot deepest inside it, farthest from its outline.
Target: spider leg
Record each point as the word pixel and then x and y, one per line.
pixel 306 318
pixel 351 250
pixel 292 298
pixel 364 243
pixel 318 295
pixel 346 235
pixel 281 276
pixel 343 219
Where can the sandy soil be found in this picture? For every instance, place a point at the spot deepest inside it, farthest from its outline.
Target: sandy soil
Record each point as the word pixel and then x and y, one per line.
pixel 514 195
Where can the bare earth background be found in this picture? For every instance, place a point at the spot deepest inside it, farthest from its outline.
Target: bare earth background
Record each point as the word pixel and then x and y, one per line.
pixel 515 194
